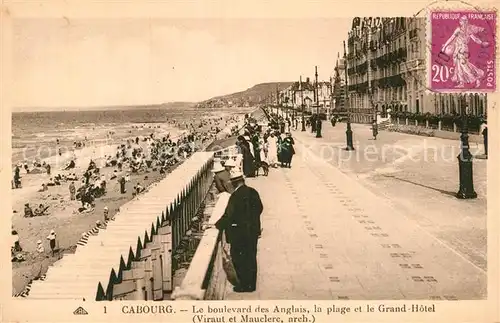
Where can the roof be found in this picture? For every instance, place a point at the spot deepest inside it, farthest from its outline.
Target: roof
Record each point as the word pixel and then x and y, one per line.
pixel 305 86
pixel 78 275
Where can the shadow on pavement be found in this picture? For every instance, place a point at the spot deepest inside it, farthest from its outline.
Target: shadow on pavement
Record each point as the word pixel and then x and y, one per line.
pixel 422 185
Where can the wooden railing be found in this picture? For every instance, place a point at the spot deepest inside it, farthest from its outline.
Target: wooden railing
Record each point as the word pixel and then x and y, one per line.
pixel 205 278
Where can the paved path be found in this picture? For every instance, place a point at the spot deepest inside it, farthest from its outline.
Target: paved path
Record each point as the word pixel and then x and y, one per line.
pixel 327 237
pixel 419 176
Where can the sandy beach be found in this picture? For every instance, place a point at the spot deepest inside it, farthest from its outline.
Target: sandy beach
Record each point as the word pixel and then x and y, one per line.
pixel 63 215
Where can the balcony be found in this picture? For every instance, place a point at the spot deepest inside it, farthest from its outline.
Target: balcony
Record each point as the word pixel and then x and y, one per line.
pixel 412 65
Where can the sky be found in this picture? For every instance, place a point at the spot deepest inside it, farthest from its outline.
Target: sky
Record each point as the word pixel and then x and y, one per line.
pixel 100 62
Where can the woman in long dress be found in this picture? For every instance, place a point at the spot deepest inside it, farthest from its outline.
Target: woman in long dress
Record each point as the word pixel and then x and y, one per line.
pixel 272 150
pixel 287 150
pixel 248 159
pixel 457 46
pixel 264 150
pixel 256 149
pixel 280 149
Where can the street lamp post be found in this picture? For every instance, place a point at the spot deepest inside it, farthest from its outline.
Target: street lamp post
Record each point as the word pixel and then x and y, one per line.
pixel 318 119
pixel 303 121
pixel 466 190
pixel 348 132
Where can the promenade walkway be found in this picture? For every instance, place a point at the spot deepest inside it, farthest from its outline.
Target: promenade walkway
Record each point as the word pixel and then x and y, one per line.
pixel 418 175
pixel 328 237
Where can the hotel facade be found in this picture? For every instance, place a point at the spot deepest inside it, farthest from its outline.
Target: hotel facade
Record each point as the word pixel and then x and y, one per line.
pixel 386 69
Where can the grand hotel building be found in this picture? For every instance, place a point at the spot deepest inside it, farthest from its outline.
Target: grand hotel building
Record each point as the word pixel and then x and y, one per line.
pixel 386 70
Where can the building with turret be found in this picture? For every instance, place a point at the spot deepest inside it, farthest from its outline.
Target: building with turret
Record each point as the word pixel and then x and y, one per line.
pixel 339 87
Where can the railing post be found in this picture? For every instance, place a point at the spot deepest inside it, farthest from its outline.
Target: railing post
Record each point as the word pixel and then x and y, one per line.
pixel 148 275
pixel 439 125
pixel 427 123
pixel 138 276
pixel 454 127
pixel 406 121
pixel 174 225
pixel 182 211
pixel 189 200
pixel 166 258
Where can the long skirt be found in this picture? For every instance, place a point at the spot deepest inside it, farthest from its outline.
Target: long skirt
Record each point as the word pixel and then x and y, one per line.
pixel 286 156
pixel 248 166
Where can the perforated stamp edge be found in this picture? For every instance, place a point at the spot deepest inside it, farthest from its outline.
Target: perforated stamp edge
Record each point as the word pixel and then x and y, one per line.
pixel 456 6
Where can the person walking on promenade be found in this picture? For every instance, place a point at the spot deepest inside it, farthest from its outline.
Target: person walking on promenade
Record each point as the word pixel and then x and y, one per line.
pixel 250 145
pixel 287 151
pixel 279 143
pixel 484 132
pixel 248 160
pixel 72 190
pixel 374 129
pixel 222 179
pixel 242 227
pixel 256 150
pixel 272 150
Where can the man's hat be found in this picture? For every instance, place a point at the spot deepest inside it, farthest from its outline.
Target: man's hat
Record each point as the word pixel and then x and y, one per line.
pixel 236 176
pixel 217 168
pixel 246 137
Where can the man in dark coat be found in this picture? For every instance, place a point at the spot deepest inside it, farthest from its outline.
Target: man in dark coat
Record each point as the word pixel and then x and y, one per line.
pixel 241 223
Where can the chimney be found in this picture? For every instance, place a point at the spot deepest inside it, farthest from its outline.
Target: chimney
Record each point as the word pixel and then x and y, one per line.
pixel 307 80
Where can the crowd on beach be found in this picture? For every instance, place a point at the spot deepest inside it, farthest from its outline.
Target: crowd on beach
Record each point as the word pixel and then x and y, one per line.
pixel 135 156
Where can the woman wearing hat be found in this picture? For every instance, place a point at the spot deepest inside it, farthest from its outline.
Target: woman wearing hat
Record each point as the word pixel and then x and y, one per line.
pixel 272 150
pixel 287 151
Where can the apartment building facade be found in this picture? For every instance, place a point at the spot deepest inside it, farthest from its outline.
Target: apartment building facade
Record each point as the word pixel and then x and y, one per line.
pixel 386 69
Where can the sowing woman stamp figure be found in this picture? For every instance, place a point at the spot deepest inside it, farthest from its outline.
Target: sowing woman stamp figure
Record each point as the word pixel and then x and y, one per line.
pixel 462 57
pixel 457 47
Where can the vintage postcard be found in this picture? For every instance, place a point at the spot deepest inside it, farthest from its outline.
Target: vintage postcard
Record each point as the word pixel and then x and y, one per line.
pixel 244 162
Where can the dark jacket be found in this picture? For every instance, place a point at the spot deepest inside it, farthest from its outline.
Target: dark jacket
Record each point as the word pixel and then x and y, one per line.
pixel 223 182
pixel 241 219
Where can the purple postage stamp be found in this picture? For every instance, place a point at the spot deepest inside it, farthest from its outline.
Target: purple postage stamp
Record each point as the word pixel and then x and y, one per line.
pixel 462 53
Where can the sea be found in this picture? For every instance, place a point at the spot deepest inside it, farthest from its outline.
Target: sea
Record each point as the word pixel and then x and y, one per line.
pixel 35 133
